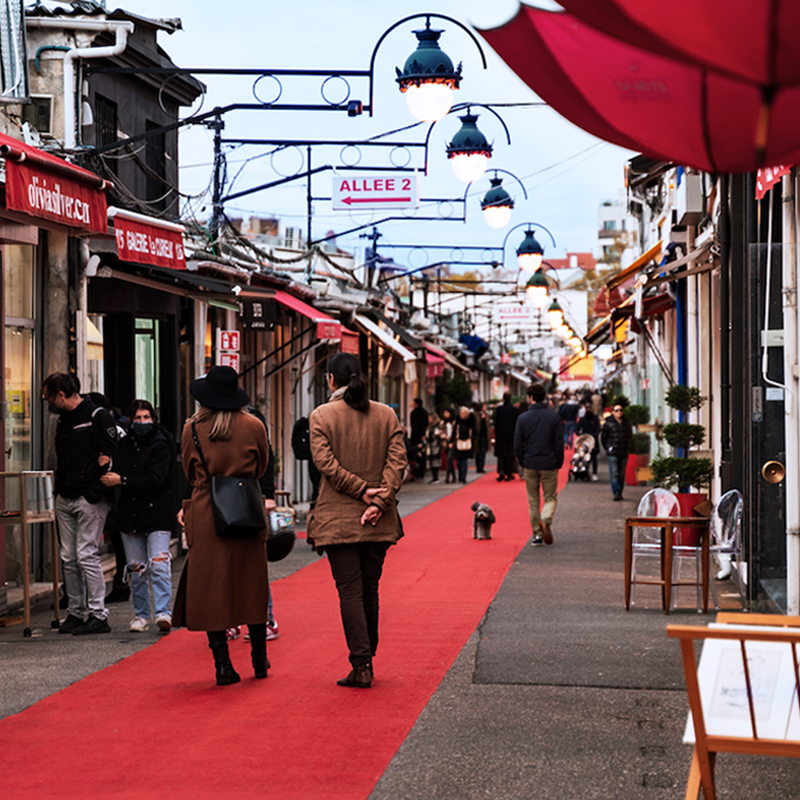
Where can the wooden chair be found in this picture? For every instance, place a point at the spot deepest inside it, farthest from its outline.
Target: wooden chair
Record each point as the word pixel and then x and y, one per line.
pixel 739 666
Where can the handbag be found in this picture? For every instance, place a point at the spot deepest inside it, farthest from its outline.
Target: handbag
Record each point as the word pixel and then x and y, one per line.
pixel 281 528
pixel 237 502
pixel 464 444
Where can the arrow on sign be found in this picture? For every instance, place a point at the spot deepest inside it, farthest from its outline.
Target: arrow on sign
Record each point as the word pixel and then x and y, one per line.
pixel 351 200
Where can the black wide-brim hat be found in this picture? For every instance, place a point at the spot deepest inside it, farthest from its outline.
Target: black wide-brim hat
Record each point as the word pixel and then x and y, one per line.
pixel 219 388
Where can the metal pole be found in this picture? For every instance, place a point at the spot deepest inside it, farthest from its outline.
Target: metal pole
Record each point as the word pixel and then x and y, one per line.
pixel 217 125
pixel 791 375
pixel 308 196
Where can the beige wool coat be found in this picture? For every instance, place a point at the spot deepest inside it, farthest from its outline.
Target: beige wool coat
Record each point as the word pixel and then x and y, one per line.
pixel 355 451
pixel 224 581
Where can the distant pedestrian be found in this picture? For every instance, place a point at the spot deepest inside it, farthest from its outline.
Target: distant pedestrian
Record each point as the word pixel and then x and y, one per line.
pixel 419 425
pixel 433 439
pixel 448 448
pixel 590 423
pixel 358 446
pixel 568 411
pixel 482 437
pixel 616 438
pixel 505 420
pixel 84 432
pixel 463 441
pixel 145 513
pixel 539 445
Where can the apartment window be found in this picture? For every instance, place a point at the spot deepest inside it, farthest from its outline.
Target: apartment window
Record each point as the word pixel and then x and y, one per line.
pixel 610 225
pixel 155 174
pixel 105 126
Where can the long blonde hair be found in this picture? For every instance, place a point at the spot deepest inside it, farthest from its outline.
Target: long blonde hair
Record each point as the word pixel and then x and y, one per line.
pixel 221 421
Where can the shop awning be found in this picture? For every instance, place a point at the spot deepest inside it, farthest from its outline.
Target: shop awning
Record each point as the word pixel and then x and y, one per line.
pixel 600 332
pixel 669 272
pixel 434 361
pixel 410 341
pixel 45 187
pixel 520 377
pixel 349 343
pixel 637 266
pixel 327 327
pixel 384 337
pixel 147 240
pixel 652 306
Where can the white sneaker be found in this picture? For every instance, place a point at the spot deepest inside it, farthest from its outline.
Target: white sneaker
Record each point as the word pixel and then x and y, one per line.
pixel 164 623
pixel 139 625
pixel 272 631
pixel 594 477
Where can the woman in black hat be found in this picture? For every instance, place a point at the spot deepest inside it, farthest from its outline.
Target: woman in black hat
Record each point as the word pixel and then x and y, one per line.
pixel 224 581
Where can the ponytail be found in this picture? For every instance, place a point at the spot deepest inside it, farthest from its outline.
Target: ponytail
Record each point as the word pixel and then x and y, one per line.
pixel 346 371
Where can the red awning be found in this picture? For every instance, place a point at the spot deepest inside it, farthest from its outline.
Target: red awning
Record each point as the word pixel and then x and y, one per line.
pixel 349 342
pixel 638 97
pixel 327 327
pixel 146 240
pixel 43 186
pixel 434 361
pixel 652 306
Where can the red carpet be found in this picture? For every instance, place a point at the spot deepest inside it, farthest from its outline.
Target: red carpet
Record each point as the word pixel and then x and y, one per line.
pixel 155 725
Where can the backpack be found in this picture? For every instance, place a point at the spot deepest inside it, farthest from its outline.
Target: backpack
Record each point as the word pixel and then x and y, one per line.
pixel 301 440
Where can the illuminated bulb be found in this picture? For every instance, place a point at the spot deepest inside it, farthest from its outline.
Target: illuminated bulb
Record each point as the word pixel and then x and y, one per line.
pixel 469 167
pixel 429 101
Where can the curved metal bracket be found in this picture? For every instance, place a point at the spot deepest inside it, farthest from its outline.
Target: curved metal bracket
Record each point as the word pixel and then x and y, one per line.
pixel 528 225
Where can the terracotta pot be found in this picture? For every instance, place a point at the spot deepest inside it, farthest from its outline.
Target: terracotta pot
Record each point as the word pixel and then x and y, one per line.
pixel 687 501
pixel 634 462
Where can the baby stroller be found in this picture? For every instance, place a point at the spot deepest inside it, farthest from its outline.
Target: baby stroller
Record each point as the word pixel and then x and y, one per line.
pixel 582 457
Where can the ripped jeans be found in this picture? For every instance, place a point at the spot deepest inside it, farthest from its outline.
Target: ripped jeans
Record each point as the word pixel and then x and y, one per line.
pixel 145 553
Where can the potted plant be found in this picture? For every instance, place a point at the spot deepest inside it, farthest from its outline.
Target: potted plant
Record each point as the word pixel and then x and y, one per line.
pixel 681 471
pixel 639 448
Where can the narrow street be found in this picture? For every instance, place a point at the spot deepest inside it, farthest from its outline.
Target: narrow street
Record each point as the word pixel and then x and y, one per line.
pixel 557 693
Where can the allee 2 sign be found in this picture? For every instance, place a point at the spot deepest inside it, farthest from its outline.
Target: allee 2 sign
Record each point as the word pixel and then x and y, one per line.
pixel 372 192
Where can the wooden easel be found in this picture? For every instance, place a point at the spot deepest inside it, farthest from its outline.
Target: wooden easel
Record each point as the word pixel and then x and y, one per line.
pixel 701 774
pixel 44 512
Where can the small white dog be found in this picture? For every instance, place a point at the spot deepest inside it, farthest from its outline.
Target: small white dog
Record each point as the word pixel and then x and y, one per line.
pixel 482 521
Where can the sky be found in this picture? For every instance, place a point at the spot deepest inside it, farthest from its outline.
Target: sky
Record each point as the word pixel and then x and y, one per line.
pixel 566 172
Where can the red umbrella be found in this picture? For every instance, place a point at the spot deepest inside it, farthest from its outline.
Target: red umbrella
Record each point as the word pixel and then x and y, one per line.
pixel 644 100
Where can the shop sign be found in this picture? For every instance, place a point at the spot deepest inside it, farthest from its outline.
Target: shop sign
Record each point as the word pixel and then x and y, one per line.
pixel 228 340
pixel 371 192
pixel 33 190
pixel 513 312
pixel 143 243
pixel 228 360
pixel 257 315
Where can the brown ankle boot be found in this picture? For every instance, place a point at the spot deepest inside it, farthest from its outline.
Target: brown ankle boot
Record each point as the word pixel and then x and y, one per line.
pixel 360 677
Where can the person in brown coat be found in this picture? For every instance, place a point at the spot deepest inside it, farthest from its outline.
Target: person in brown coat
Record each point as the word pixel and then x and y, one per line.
pixel 358 447
pixel 224 581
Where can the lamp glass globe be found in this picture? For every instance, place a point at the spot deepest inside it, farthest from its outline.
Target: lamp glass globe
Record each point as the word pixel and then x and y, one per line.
pixel 530 262
pixel 469 167
pixel 497 216
pixel 555 318
pixel 429 101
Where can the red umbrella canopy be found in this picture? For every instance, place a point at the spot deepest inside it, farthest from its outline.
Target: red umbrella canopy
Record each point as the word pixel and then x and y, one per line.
pixel 641 99
pixel 751 39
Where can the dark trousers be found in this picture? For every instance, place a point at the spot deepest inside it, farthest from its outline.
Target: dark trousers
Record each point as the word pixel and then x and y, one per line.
pixel 356 569
pixel 505 458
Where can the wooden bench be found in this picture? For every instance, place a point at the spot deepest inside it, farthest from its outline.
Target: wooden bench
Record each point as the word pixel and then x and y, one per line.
pixel 721 691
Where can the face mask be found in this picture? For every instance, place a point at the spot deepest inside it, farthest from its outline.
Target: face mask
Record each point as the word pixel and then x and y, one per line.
pixel 142 428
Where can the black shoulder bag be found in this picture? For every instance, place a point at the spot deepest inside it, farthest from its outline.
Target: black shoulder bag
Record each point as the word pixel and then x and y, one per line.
pixel 237 502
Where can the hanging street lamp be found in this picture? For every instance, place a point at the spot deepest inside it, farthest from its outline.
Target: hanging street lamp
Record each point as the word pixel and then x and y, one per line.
pixel 428 77
pixel 497 204
pixel 469 151
pixel 555 315
pixel 530 252
pixel 537 289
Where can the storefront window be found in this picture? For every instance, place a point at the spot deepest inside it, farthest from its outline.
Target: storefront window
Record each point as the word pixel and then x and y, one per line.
pixel 147 361
pixel 95 353
pixel 18 289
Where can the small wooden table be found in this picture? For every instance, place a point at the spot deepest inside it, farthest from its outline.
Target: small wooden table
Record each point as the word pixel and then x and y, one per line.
pixel 668 526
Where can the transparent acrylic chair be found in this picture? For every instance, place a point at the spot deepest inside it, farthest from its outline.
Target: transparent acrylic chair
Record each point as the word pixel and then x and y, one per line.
pixel 726 534
pixel 647 541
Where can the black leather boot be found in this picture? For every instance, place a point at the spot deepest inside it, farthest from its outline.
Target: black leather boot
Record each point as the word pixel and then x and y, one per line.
pixel 226 674
pixel 360 676
pixel 258 649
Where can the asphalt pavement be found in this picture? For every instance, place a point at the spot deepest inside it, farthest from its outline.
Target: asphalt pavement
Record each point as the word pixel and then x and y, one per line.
pixel 560 693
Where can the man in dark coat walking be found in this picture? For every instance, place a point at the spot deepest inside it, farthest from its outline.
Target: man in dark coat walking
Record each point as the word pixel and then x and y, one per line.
pixel 419 425
pixel 505 420
pixel 616 438
pixel 539 445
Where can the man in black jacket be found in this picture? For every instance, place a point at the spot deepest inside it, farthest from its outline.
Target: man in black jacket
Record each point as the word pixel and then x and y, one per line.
pixel 419 425
pixel 539 445
pixel 616 438
pixel 505 420
pixel 84 433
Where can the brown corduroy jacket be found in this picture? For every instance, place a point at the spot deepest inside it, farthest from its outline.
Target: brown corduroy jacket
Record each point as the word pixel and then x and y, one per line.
pixel 355 451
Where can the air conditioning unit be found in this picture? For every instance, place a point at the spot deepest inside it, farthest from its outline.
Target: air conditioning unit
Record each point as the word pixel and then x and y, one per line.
pixel 689 200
